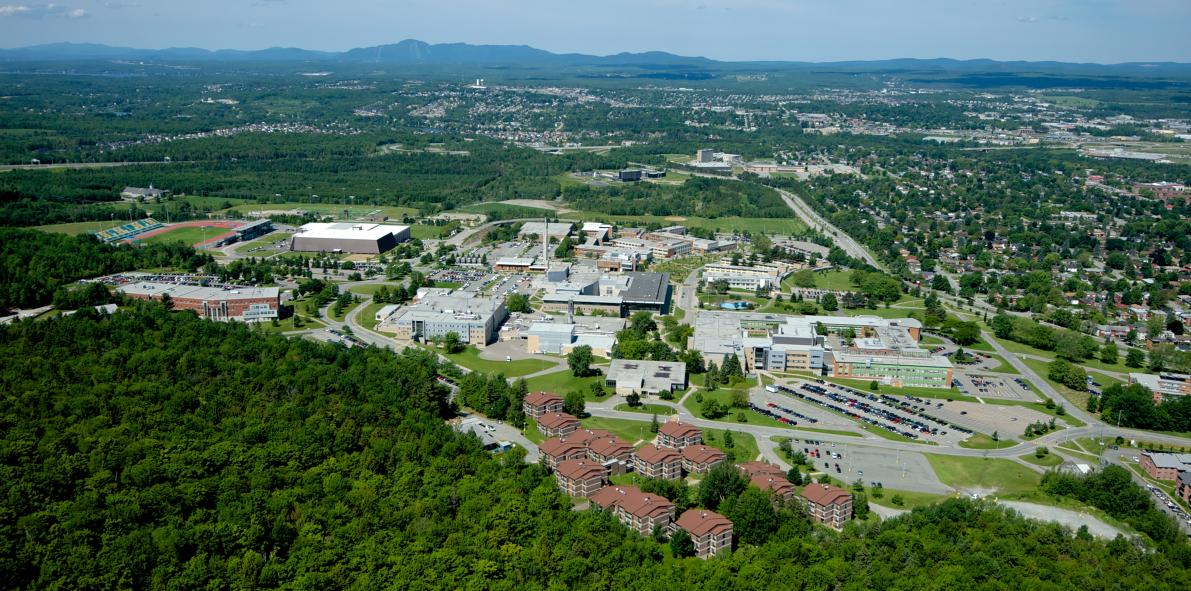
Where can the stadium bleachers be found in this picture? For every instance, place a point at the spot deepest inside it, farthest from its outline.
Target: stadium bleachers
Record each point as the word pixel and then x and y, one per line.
pixel 125 231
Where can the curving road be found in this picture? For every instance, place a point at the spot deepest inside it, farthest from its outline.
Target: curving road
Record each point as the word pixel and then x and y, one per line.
pixel 815 221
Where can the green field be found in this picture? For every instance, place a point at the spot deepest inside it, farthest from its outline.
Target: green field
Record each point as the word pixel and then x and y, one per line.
pixel 334 210
pixel 532 433
pixel 1004 476
pixel 1046 461
pixel 910 498
pixel 647 409
pixel 562 382
pixel 287 325
pixel 832 279
pixel 367 316
pixel 341 316
pixel 982 441
pixel 630 431
pixel 186 235
pixel 424 232
pixel 1074 397
pixel 370 288
pixel 74 228
pixel 744 445
pixel 470 358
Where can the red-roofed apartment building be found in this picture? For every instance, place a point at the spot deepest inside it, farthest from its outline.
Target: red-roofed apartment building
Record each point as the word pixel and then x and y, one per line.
pixel 710 531
pixel 580 478
pixel 539 403
pixel 557 424
pixel 776 485
pixel 700 459
pixel 640 511
pixel 754 468
pixel 560 449
pixel 658 462
pixel 679 435
pixel 829 505
pixel 612 452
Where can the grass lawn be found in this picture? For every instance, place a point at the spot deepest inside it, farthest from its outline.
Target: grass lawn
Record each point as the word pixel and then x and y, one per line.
pixel 562 382
pixel 1118 367
pixel 887 313
pixel 332 209
pixel 371 288
pixel 930 340
pixel 832 279
pixel 982 441
pixel 647 409
pixel 723 398
pixel 1046 461
pixel 367 316
pixel 425 231
pixel 630 431
pixel 186 234
pixel 343 314
pixel 910 498
pixel 1004 476
pixel 287 325
pixel 246 248
pixel 74 228
pixel 470 358
pixel 744 445
pixel 1005 366
pixel 532 433
pixel 1074 397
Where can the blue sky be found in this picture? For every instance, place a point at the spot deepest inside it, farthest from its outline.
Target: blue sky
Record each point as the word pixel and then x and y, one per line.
pixel 1102 31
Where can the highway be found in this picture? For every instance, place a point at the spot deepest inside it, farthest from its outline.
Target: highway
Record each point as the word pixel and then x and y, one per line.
pixel 815 221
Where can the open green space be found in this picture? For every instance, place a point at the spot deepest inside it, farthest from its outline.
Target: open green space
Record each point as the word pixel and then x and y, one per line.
pixel 785 226
pixel 648 409
pixel 426 231
pixel 75 228
pixel 1046 461
pixel 830 279
pixel 744 445
pixel 1004 367
pixel 342 313
pixel 723 398
pixel 930 340
pixel 335 210
pixel 982 441
pixel 564 381
pixel 1004 476
pixel 910 498
pixel 630 431
pixel 1073 397
pixel 1095 364
pixel 367 316
pixel 532 433
pixel 370 288
pixel 287 325
pixel 188 235
pixel 470 358
pixel 246 248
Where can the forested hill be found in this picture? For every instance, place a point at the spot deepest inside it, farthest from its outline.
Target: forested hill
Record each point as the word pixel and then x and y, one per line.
pixel 151 449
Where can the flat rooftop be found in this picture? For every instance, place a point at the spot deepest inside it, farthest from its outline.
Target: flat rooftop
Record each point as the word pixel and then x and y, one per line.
pixel 647 287
pixel 349 230
pixel 195 292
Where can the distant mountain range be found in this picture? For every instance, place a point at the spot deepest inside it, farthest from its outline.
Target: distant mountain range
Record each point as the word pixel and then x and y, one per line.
pixel 414 52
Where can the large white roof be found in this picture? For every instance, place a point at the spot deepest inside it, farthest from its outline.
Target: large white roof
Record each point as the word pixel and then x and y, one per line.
pixel 349 230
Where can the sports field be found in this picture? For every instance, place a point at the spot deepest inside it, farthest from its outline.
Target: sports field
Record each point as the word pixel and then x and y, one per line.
pixel 191 233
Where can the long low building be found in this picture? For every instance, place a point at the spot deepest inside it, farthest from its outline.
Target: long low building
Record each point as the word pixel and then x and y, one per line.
pixel 1164 386
pixel 475 319
pixel 628 376
pixel 353 237
pixel 246 304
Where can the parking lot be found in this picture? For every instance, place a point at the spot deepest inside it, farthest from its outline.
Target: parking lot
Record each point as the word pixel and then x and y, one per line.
pixel 893 469
pixel 1007 420
pixel 982 385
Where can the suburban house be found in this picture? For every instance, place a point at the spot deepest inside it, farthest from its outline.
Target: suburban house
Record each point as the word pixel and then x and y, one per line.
pixel 557 424
pixel 537 404
pixel 1165 466
pixel 580 478
pixel 829 505
pixel 678 435
pixel 658 462
pixel 700 459
pixel 710 531
pixel 640 511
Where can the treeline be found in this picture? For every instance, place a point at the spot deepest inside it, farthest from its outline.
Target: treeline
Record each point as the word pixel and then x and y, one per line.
pixel 1133 406
pixel 34 265
pixel 698 196
pixel 152 448
pixel 1113 490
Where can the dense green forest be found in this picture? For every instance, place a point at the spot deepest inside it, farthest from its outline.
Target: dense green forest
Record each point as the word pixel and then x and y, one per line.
pixel 34 265
pixel 152 449
pixel 698 196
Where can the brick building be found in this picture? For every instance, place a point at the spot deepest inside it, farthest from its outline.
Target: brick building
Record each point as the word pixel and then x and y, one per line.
pixel 640 511
pixel 700 459
pixel 678 435
pixel 537 404
pixel 580 478
pixel 246 304
pixel 710 531
pixel 829 505
pixel 658 462
pixel 1165 466
pixel 557 424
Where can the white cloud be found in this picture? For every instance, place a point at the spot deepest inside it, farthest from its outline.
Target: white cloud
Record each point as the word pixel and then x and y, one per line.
pixel 1027 19
pixel 13 9
pixel 77 13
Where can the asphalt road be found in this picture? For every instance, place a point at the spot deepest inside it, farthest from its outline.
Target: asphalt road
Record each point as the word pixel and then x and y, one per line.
pixel 814 220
